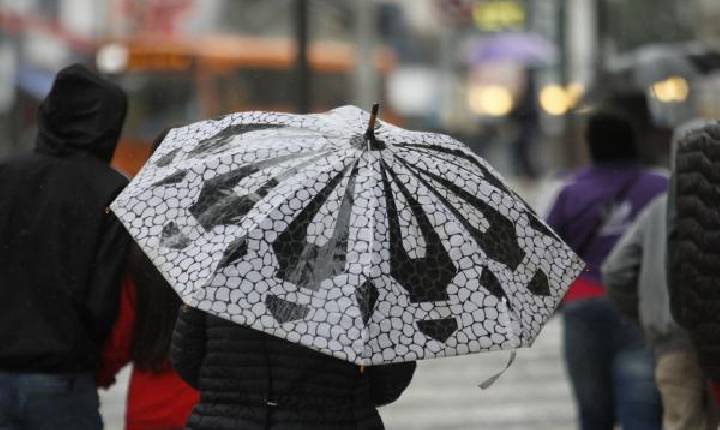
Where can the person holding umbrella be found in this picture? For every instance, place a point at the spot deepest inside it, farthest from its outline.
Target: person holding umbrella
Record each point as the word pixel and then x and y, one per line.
pixel 252 380
pixel 320 256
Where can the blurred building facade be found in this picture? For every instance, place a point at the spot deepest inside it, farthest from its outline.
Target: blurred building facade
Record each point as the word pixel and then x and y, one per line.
pixel 502 75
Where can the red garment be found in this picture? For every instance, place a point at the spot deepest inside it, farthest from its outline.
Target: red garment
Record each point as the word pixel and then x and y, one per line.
pixel 584 288
pixel 155 400
pixel 715 390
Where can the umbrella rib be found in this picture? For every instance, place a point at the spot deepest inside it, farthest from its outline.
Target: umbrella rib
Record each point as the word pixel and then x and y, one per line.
pixel 289 258
pixel 218 204
pixel 488 177
pixel 499 225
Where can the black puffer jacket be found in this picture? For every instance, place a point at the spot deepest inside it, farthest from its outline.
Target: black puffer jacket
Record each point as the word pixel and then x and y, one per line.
pixel 250 380
pixel 694 242
pixel 61 250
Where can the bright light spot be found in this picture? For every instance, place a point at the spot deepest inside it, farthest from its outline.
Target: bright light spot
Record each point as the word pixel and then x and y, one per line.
pixel 574 92
pixel 556 100
pixel 493 100
pixel 112 58
pixel 672 90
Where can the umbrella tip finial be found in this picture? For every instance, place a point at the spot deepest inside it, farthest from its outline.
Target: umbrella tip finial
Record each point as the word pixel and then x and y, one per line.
pixel 370 133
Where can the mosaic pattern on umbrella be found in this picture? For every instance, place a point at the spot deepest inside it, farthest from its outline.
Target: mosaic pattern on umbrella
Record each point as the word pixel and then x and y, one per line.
pixel 409 248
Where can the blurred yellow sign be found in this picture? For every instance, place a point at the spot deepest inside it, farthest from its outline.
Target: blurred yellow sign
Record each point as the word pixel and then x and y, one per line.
pixel 496 15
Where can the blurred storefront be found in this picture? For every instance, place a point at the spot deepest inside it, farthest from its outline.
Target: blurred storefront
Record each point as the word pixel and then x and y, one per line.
pixel 181 60
pixel 505 76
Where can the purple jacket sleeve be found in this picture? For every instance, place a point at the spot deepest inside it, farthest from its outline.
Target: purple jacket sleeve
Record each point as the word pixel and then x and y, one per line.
pixel 556 216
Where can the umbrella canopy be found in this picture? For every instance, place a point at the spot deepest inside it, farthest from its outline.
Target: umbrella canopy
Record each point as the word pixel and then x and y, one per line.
pixel 523 48
pixel 402 247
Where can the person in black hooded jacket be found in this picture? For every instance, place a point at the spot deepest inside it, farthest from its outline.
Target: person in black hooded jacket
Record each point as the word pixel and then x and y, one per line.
pixel 61 256
pixel 254 381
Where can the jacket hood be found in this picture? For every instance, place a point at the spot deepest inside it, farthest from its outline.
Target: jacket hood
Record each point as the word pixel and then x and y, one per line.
pixel 83 113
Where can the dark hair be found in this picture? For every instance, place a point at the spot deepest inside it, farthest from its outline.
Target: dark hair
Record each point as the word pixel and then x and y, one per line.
pixel 159 139
pixel 611 138
pixel 156 306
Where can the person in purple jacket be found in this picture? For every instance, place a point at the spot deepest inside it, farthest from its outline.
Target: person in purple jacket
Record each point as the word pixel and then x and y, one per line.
pixel 610 369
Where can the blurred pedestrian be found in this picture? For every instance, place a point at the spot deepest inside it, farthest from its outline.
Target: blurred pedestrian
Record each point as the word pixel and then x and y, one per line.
pixel 61 256
pixel 157 398
pixel 525 116
pixel 251 380
pixel 694 244
pixel 610 369
pixel 636 279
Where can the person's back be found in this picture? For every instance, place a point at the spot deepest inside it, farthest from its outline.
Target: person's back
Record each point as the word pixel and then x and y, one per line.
pixel 61 251
pixel 593 211
pixel 636 279
pixel 592 216
pixel 250 380
pixel 610 370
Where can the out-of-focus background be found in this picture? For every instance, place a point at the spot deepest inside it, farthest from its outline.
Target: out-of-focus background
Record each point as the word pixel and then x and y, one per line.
pixel 502 75
pixel 511 78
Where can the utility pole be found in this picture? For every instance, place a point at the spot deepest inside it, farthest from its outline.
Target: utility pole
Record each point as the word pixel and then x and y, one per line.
pixel 603 42
pixel 569 155
pixel 366 91
pixel 302 65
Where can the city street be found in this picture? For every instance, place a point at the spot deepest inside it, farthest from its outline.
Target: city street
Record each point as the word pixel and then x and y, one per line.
pixel 308 165
pixel 444 395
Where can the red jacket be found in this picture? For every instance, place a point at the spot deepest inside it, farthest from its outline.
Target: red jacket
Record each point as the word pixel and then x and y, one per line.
pixel 715 391
pixel 155 401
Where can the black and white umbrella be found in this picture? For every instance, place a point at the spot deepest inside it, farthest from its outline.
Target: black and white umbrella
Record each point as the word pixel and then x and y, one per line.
pixel 372 247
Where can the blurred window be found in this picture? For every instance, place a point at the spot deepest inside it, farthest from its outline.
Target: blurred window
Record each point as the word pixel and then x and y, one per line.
pixel 158 100
pixel 276 89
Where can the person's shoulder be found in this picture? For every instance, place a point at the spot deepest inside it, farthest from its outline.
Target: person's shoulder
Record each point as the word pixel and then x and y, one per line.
pixel 656 206
pixel 574 180
pixel 656 174
pixel 21 159
pixel 656 180
pixel 98 170
pixel 20 167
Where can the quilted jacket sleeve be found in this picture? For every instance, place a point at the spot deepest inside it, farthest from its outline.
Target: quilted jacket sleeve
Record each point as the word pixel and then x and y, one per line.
pixel 388 382
pixel 187 349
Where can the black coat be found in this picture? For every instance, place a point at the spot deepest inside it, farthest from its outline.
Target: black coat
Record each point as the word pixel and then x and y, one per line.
pixel 250 380
pixel 694 246
pixel 61 250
